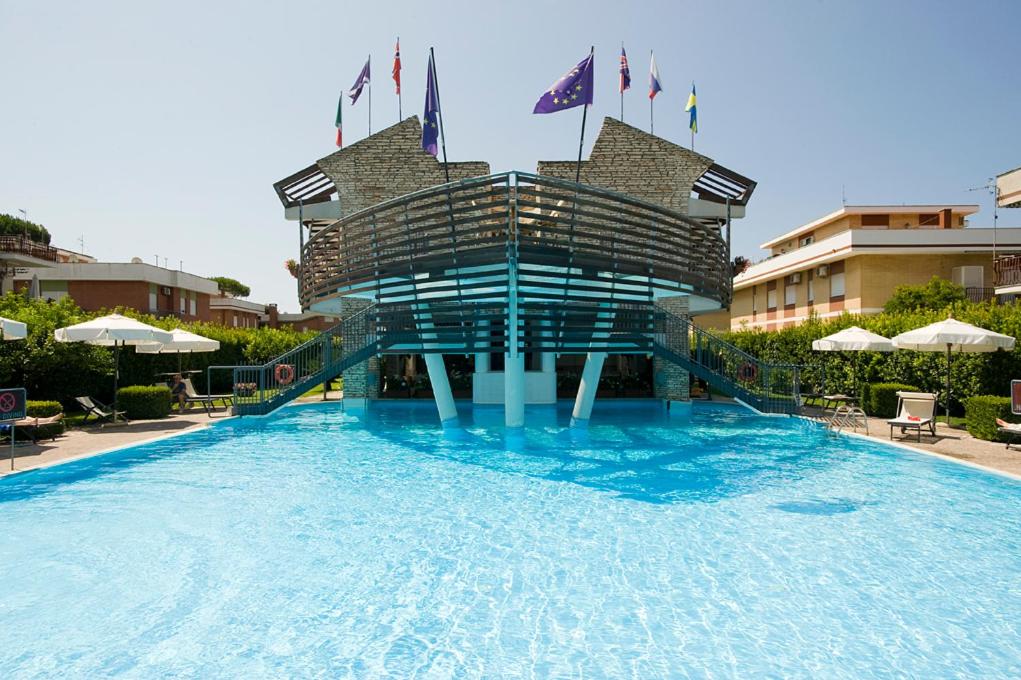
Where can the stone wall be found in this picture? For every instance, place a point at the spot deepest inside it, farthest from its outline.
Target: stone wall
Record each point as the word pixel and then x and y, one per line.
pixel 361 381
pixel 633 162
pixel 388 164
pixel 670 381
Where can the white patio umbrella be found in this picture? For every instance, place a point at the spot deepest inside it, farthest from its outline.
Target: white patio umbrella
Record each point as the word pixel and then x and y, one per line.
pixel 114 331
pixel 12 330
pixel 949 336
pixel 853 339
pixel 183 341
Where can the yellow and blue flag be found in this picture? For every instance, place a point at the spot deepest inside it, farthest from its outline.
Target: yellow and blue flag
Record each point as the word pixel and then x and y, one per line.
pixel 693 121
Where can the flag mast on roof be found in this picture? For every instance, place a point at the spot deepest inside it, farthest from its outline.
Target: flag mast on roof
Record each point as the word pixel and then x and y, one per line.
pixel 397 78
pixel 654 88
pixel 625 78
pixel 574 88
pixel 360 82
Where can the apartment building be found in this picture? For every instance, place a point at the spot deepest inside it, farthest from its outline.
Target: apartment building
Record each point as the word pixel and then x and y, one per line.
pixel 852 259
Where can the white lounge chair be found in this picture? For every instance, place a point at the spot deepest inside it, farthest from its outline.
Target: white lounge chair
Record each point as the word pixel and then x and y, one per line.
pixel 1011 430
pixel 915 410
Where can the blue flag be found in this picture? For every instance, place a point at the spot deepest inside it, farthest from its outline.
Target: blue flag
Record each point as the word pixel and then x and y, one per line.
pixel 360 82
pixel 574 88
pixel 431 116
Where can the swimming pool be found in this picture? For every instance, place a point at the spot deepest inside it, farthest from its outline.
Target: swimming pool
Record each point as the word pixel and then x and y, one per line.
pixel 317 543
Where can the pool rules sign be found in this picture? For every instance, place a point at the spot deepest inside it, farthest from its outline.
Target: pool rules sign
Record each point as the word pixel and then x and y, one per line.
pixel 12 408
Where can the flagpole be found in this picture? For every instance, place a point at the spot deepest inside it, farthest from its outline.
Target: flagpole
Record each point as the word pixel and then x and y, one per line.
pixel 620 80
pixel 652 124
pixel 439 110
pixel 581 140
pixel 370 95
pixel 400 110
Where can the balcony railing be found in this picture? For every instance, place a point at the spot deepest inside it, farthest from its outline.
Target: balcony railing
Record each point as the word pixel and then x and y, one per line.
pixel 1008 270
pixel 26 246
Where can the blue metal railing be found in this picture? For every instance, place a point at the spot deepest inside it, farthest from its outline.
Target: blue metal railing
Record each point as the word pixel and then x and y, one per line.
pixel 261 389
pixel 770 388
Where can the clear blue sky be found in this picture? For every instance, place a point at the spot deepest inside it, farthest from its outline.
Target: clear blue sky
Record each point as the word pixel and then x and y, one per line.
pixel 158 128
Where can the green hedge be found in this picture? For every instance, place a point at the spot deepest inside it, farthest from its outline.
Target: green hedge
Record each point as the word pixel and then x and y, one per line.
pixel 143 402
pixel 971 373
pixel 882 398
pixel 42 409
pixel 982 411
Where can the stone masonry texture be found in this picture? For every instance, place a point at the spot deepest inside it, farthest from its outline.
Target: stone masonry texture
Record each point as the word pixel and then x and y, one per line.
pixel 631 161
pixel 389 164
pixel 669 381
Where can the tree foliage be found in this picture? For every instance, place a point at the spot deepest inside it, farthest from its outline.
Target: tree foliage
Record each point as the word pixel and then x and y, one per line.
pixel 936 294
pixel 971 373
pixel 15 226
pixel 64 370
pixel 231 287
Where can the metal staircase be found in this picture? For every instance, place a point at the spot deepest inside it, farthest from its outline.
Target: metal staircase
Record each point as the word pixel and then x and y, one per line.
pixel 766 387
pixel 261 389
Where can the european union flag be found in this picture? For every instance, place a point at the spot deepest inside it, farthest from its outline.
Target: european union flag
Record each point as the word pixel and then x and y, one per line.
pixel 431 116
pixel 574 88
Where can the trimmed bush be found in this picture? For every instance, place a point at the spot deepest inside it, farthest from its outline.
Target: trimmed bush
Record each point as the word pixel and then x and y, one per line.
pixel 982 412
pixel 42 409
pixel 882 398
pixel 142 402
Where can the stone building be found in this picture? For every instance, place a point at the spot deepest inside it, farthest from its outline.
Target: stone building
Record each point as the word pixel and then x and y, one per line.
pixel 531 275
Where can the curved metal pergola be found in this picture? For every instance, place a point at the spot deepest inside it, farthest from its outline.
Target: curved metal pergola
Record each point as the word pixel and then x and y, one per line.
pixel 512 248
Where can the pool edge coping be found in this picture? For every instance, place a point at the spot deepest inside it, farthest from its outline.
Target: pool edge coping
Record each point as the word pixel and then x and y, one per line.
pixel 935 454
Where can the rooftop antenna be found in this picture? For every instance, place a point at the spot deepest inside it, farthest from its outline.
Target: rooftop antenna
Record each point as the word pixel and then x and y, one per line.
pixel 991 187
pixel 81 244
pixel 843 195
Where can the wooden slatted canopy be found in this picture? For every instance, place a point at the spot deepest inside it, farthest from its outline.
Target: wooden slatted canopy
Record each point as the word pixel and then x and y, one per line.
pixel 307 186
pixel 718 183
pixel 459 257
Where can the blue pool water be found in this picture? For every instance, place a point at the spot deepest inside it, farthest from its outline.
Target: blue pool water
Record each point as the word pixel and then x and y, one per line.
pixel 314 543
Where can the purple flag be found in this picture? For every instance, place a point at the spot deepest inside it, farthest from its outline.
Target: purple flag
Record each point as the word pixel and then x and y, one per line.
pixel 431 117
pixel 363 78
pixel 573 89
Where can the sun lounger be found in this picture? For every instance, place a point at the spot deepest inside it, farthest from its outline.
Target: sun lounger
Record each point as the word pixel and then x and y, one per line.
pixel 32 425
pixel 98 410
pixel 207 401
pixel 1011 430
pixel 915 410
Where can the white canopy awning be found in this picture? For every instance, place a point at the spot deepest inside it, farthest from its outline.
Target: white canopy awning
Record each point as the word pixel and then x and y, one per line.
pixel 853 339
pixel 111 330
pixel 183 341
pixel 13 330
pixel 953 335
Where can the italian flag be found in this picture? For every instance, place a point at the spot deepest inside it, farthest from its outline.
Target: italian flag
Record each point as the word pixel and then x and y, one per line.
pixel 340 121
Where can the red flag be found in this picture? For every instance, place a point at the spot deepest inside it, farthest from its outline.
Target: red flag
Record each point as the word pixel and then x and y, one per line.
pixel 397 65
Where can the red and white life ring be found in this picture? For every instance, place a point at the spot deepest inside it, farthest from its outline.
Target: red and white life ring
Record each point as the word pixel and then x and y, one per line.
pixel 748 372
pixel 284 374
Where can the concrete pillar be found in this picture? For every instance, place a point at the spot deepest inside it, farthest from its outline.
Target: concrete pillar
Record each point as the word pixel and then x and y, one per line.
pixel 594 361
pixel 549 358
pixel 361 381
pixel 514 390
pixel 587 388
pixel 437 371
pixel 482 358
pixel 441 388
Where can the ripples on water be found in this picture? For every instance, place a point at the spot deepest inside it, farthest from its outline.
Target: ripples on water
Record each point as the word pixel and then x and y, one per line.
pixel 319 543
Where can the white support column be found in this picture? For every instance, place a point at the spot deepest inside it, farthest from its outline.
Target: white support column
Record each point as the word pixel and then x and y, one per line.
pixel 482 358
pixel 594 361
pixel 514 390
pixel 513 361
pixel 549 359
pixel 587 388
pixel 437 374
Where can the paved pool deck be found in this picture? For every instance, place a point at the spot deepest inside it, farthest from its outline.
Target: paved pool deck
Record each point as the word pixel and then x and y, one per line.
pixel 94 440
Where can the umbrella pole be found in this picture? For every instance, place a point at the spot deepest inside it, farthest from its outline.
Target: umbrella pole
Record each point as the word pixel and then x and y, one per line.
pixel 116 375
pixel 178 362
pixel 948 383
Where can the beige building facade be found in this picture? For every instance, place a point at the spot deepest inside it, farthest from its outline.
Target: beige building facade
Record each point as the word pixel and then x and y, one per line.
pixel 852 260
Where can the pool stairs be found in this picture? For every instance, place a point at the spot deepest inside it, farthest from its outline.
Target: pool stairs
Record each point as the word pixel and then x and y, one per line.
pixel 766 387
